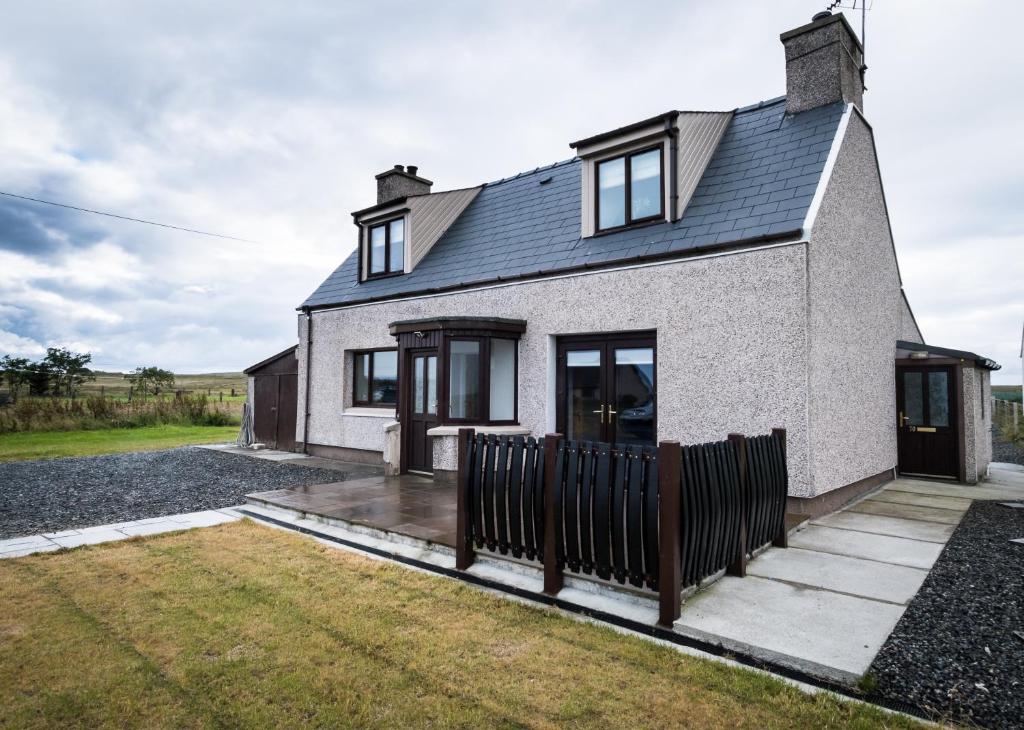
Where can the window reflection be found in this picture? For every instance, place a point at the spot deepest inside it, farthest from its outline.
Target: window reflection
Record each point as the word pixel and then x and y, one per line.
pixel 634 395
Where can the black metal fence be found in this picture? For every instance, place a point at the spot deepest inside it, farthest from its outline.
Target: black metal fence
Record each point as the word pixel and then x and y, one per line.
pixel 663 519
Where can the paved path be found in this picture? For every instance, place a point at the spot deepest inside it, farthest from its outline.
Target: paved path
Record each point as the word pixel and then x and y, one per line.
pixel 50 541
pixel 828 603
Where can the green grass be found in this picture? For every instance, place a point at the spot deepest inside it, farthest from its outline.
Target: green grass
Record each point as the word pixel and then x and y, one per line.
pixel 54 444
pixel 115 384
pixel 244 626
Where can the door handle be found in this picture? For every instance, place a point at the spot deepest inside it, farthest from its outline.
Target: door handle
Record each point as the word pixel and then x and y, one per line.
pixel 600 411
pixel 903 419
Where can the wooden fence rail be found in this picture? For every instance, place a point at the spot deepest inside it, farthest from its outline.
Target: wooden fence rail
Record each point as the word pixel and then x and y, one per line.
pixel 660 519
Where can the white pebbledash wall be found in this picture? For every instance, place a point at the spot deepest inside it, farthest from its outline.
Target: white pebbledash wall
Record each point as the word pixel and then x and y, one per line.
pixel 799 335
pixel 731 346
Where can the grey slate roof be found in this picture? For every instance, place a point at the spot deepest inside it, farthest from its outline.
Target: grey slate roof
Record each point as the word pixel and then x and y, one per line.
pixel 759 183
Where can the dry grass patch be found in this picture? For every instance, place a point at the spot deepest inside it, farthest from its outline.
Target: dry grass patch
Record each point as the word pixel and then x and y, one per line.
pixel 241 625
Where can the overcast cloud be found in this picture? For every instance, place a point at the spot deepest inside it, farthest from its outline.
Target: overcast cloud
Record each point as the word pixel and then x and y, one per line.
pixel 267 121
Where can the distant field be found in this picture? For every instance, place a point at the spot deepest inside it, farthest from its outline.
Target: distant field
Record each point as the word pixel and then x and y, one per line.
pixel 1007 392
pixel 115 384
pixel 56 444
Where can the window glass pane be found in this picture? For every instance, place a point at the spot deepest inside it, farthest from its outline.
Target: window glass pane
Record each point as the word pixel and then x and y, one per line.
pixel 938 398
pixel 397 261
pixel 634 395
pixel 611 193
pixel 362 376
pixel 645 184
pixel 385 377
pixel 464 386
pixel 913 404
pixel 432 385
pixel 583 393
pixel 503 380
pixel 419 386
pixel 377 250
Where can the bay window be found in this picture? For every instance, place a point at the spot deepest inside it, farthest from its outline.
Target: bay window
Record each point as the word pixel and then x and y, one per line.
pixel 482 379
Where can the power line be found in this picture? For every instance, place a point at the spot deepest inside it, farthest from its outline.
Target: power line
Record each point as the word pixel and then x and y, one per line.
pixel 127 218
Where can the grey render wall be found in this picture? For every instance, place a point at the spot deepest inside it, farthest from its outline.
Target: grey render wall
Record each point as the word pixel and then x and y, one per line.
pixel 909 331
pixel 731 336
pixel 977 422
pixel 855 318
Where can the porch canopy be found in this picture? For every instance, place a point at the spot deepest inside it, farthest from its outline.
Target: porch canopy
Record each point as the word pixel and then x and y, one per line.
pixel 916 351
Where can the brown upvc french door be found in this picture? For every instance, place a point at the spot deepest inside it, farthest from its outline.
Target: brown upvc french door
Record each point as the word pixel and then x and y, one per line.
pixel 607 388
pixel 927 421
pixel 421 413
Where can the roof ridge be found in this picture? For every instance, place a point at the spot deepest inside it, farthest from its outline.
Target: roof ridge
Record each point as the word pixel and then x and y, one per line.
pixel 760 105
pixel 534 171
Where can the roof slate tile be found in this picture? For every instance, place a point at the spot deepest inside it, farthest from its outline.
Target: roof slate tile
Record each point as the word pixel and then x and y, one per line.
pixel 760 181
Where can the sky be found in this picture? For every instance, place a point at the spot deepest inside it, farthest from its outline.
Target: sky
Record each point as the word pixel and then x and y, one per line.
pixel 267 122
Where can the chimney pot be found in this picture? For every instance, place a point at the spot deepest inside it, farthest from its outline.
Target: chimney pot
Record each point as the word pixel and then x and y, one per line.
pixel 821 15
pixel 411 169
pixel 399 168
pixel 824 64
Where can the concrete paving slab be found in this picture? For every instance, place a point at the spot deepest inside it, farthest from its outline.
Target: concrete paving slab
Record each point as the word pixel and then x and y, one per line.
pixel 840 573
pixel 29 551
pixel 1009 478
pixel 918 554
pixel 882 525
pixel 816 630
pixel 958 504
pixel 955 490
pixel 61 533
pixel 207 518
pixel 1006 466
pixel 908 512
pixel 152 528
pixel 22 543
pixel 91 536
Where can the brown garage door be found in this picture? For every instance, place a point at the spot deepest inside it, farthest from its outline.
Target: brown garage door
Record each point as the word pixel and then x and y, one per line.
pixel 275 409
pixel 275 399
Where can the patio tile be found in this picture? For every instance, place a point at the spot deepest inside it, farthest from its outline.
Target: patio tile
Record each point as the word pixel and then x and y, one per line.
pixel 29 551
pixel 153 528
pixel 28 542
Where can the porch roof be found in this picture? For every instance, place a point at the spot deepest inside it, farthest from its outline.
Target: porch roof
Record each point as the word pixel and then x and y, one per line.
pixel 758 186
pixel 980 361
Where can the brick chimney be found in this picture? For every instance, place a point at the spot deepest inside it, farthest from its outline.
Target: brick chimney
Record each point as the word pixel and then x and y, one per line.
pixel 824 64
pixel 399 182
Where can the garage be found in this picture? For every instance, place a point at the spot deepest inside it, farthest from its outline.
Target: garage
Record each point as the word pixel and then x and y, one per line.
pixel 273 397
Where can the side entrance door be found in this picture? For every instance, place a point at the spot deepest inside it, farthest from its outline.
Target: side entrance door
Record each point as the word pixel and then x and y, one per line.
pixel 606 388
pixel 421 410
pixel 927 421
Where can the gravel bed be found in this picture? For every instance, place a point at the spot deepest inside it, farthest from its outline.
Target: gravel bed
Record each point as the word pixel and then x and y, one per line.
pixel 62 494
pixel 954 653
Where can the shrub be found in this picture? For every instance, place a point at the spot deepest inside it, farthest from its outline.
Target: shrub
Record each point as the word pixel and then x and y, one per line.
pixel 96 412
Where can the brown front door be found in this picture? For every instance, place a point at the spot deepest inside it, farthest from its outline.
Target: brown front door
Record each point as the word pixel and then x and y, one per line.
pixel 287 408
pixel 421 410
pixel 606 388
pixel 927 425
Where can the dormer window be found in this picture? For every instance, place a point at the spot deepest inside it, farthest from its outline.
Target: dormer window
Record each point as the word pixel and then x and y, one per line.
pixel 387 248
pixel 629 189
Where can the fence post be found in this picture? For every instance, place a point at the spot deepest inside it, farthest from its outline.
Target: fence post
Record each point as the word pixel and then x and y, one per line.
pixel 464 554
pixel 1016 410
pixel 670 568
pixel 782 539
pixel 552 575
pixel 738 567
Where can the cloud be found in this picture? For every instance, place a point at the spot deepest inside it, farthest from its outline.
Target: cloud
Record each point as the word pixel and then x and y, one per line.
pixel 268 123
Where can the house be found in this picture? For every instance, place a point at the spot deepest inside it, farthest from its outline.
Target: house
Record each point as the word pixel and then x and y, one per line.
pixel 681 277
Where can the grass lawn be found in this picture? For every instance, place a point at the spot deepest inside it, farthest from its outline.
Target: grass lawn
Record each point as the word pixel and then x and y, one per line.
pixel 243 626
pixel 53 444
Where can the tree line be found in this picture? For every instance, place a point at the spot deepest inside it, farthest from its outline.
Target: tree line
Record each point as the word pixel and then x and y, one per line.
pixel 63 372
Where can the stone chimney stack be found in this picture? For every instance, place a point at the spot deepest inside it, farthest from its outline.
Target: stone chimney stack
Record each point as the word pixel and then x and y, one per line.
pixel 824 64
pixel 399 182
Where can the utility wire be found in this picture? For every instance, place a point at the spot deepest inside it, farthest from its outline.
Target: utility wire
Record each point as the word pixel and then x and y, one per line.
pixel 127 218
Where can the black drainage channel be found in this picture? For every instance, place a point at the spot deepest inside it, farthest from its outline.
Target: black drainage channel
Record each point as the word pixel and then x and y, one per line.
pixel 656 632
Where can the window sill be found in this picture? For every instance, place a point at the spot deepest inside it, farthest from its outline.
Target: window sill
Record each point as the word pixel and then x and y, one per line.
pixel 510 430
pixel 369 412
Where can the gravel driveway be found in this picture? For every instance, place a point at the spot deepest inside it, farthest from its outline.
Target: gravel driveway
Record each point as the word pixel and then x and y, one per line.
pixel 61 494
